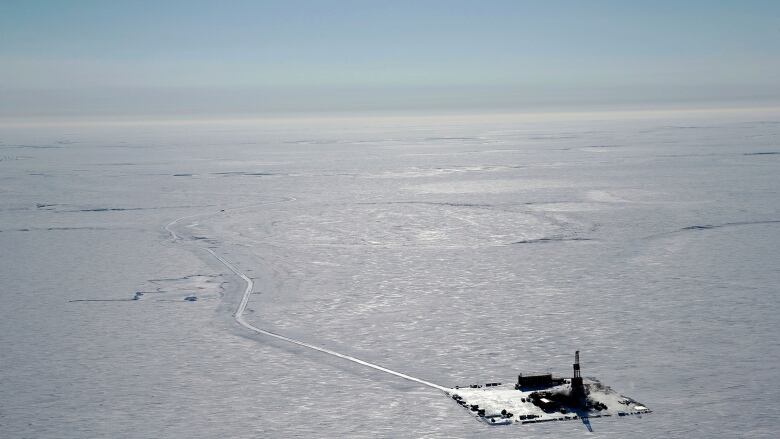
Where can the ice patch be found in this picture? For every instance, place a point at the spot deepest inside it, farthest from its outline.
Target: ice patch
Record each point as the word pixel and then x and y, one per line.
pixel 604 197
pixel 486 186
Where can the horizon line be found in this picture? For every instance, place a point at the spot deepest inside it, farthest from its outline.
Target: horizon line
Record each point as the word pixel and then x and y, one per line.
pixel 614 112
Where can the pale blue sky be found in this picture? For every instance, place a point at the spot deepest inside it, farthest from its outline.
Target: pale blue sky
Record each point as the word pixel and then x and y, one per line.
pixel 137 57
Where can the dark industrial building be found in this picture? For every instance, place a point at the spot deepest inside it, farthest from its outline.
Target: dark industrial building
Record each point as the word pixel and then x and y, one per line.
pixel 542 381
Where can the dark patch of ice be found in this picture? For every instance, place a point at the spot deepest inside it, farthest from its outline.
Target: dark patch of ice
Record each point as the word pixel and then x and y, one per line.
pixel 433 139
pixel 122 209
pixel 76 228
pixel 120 164
pixel 204 239
pixel 763 153
pixel 731 224
pixel 33 146
pixel 313 142
pixel 8 158
pixel 550 239
pixel 246 173
pixel 111 209
pixel 707 226
pixel 430 203
pixel 60 229
pixel 696 227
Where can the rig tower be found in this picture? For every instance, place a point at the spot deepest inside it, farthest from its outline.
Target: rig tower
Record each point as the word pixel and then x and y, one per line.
pixel 577 388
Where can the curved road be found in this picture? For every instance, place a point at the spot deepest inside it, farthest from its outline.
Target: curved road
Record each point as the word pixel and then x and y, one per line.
pixel 239 315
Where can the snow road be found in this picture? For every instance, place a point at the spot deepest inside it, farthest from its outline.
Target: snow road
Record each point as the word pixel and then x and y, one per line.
pixel 238 315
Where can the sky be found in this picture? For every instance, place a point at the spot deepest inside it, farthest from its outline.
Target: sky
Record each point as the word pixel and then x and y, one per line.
pixel 102 58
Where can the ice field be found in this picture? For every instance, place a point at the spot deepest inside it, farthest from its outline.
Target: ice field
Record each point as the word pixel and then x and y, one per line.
pixel 452 249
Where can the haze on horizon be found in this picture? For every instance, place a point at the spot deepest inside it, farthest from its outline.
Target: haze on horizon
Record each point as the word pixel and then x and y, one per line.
pixel 92 58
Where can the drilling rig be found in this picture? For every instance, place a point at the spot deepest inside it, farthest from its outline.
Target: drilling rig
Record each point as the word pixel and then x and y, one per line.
pixel 577 388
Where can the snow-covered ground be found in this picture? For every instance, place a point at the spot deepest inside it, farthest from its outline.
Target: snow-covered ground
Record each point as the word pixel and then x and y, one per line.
pixel 451 250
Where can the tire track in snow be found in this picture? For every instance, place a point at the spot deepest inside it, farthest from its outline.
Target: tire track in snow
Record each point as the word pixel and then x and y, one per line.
pixel 238 315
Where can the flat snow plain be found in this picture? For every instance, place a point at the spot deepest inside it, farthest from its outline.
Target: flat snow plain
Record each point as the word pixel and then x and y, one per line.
pixel 456 250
